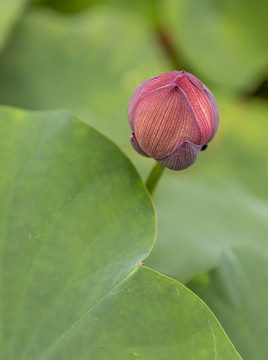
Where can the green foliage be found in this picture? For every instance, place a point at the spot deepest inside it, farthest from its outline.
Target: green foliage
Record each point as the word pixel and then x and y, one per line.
pixel 197 221
pixel 146 8
pixel 76 220
pixel 66 6
pixel 69 52
pixel 74 214
pixel 237 293
pixel 9 12
pixel 223 40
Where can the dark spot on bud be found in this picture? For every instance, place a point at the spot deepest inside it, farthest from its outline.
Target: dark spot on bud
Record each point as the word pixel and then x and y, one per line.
pixel 176 87
pixel 204 147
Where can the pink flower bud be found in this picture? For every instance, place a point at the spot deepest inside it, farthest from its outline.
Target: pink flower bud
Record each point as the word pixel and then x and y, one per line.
pixel 172 117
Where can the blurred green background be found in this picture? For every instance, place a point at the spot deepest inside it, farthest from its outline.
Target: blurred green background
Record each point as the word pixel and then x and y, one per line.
pixel 89 56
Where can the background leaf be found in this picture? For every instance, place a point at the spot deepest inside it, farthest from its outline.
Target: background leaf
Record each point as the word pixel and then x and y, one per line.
pixel 197 221
pixel 239 149
pixel 76 220
pixel 66 6
pixel 145 8
pixel 223 41
pixel 9 12
pixel 237 293
pixel 89 63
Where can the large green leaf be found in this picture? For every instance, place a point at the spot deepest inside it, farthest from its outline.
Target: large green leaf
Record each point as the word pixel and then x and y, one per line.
pixel 9 12
pixel 223 40
pixel 237 291
pixel 75 222
pixel 67 198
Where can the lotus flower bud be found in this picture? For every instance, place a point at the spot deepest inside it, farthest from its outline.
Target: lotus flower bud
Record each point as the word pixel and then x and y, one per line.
pixel 172 116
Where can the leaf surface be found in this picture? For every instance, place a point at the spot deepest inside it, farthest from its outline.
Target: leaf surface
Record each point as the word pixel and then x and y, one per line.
pixel 237 293
pixel 75 222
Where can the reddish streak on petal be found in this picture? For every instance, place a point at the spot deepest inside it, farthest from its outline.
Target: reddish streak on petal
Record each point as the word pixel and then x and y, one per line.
pixel 133 99
pixel 201 107
pixel 163 120
pixel 195 81
pixel 181 158
pixel 159 81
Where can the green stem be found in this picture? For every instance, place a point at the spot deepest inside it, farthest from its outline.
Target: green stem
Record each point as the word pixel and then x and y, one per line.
pixel 154 176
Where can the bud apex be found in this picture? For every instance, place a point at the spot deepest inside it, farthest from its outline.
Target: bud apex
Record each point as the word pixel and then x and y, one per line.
pixel 172 116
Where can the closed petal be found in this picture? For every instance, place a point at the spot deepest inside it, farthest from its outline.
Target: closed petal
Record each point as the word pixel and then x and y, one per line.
pixel 212 101
pixel 215 113
pixel 160 81
pixel 186 154
pixel 200 104
pixel 164 120
pixel 136 146
pixel 133 99
pixel 195 81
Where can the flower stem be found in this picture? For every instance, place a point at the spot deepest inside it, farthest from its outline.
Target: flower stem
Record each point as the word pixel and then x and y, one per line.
pixel 154 176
